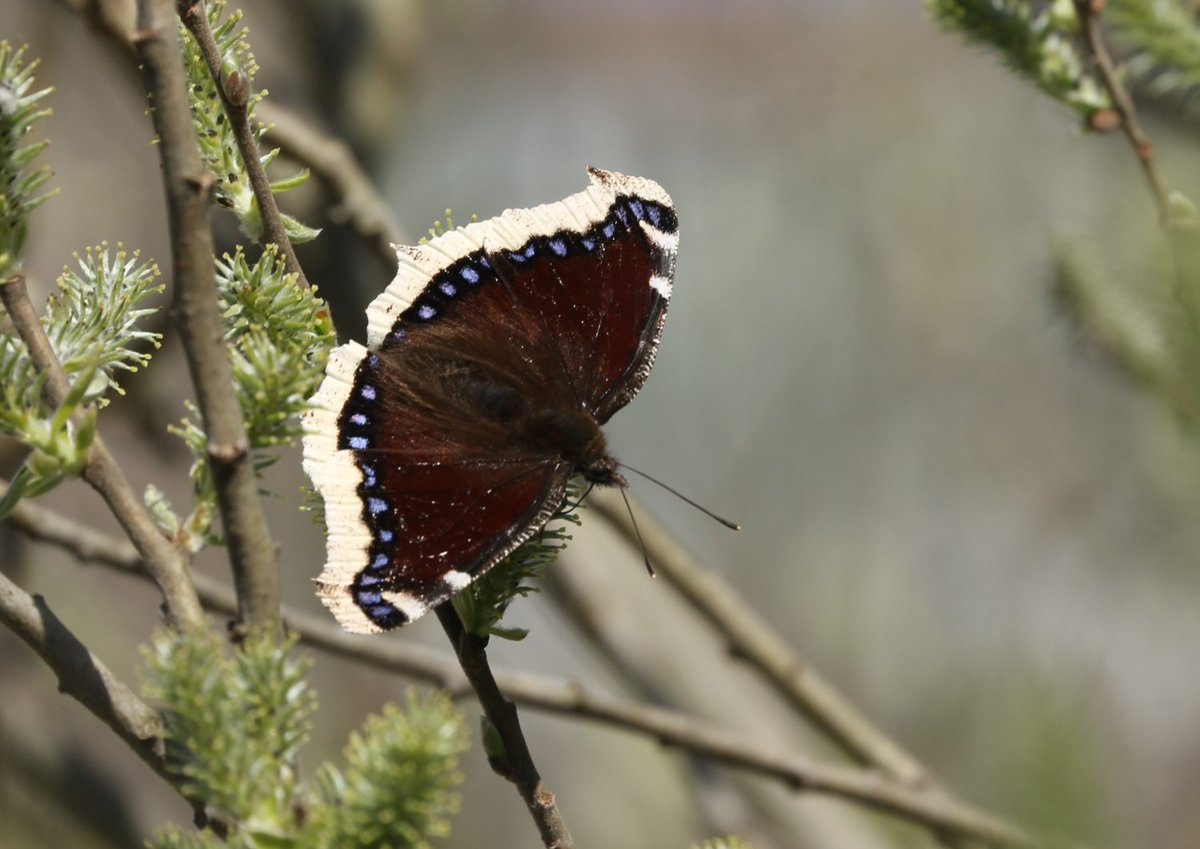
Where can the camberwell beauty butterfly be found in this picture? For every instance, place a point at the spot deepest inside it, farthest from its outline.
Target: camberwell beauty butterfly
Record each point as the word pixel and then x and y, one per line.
pixel 492 360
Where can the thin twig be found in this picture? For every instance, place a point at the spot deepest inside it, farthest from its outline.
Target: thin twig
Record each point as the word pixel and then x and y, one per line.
pixel 516 764
pixel 670 727
pixel 235 96
pixel 164 561
pixel 583 611
pixel 1088 12
pixel 751 640
pixel 357 202
pixel 198 316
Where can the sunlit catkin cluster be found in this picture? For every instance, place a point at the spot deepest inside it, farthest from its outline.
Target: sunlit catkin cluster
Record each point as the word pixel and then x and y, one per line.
pixel 20 183
pixel 218 144
pixel 1037 40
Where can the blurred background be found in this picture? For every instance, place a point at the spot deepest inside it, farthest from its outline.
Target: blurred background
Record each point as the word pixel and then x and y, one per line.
pixel 953 509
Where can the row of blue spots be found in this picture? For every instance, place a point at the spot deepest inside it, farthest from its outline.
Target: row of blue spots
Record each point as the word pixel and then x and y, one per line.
pixel 368 590
pixel 356 423
pixel 526 253
pixel 355 420
pixel 371 581
pixel 446 284
pixel 427 306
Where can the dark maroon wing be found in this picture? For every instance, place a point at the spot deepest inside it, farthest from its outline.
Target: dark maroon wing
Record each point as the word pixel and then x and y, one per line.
pixel 414 511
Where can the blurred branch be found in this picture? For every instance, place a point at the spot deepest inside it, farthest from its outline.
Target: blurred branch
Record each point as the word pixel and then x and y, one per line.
pixel 235 96
pixel 670 727
pixel 92 546
pixel 356 200
pixel 198 317
pixel 1088 12
pixel 726 806
pixel 163 561
pixel 751 640
pixel 515 762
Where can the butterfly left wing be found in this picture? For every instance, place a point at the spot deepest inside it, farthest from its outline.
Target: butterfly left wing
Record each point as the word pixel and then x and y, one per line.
pixel 415 511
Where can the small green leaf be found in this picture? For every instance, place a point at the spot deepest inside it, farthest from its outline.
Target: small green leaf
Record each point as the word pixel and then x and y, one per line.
pixel 16 488
pixel 160 508
pixel 287 184
pixel 297 232
pixel 493 743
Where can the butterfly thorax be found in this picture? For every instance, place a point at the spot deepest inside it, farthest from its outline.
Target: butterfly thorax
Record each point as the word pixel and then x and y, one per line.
pixel 569 432
pixel 540 425
pixel 578 438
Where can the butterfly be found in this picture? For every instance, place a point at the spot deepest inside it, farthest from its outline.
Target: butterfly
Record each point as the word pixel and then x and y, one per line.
pixel 492 360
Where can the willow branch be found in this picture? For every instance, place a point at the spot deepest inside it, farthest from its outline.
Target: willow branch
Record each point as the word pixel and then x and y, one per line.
pixel 674 729
pixel 670 728
pixel 198 316
pixel 164 562
pixel 1088 12
pixel 516 763
pixel 358 203
pixel 235 95
pixel 583 610
pixel 82 676
pixel 85 678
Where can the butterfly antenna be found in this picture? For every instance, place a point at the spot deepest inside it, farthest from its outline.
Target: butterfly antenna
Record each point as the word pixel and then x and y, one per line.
pixel 733 526
pixel 638 531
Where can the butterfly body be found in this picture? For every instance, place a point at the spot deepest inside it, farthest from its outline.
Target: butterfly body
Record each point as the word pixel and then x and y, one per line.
pixel 493 360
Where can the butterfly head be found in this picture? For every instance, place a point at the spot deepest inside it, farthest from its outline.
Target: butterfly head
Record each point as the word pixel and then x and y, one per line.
pixel 604 473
